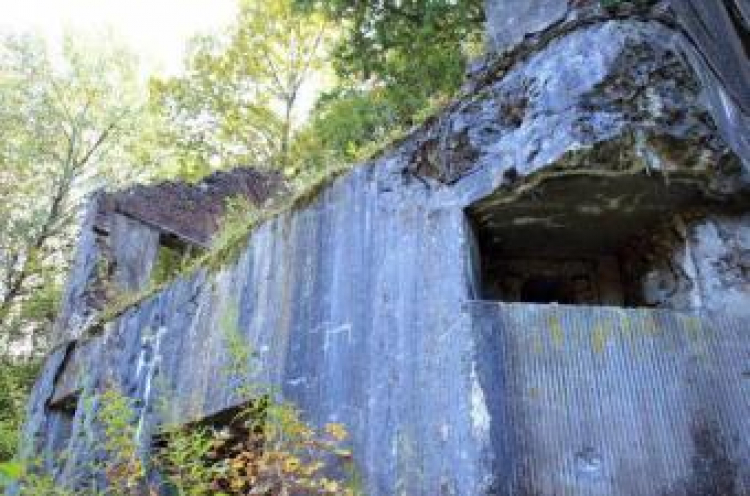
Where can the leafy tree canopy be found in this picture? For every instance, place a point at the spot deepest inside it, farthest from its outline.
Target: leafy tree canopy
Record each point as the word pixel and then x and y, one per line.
pixel 378 34
pixel 393 58
pixel 66 127
pixel 237 102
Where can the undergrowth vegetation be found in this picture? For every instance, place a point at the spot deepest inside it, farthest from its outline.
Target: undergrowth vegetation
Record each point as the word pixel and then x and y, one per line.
pixel 16 378
pixel 264 448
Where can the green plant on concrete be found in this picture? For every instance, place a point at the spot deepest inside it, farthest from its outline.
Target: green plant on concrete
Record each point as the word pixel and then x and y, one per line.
pixel 10 473
pixel 296 458
pixel 183 461
pixel 284 456
pixel 241 361
pixel 266 449
pixel 16 380
pixel 171 262
pixel 123 468
pixel 240 218
pixel 30 479
pixel 273 450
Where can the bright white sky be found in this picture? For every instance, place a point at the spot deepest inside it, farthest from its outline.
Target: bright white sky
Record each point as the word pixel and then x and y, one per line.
pixel 157 30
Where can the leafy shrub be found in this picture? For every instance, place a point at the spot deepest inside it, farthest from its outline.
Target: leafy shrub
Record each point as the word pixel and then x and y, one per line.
pixel 16 379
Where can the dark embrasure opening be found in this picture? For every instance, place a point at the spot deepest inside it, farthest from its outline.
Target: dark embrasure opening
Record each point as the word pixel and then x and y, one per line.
pixel 577 240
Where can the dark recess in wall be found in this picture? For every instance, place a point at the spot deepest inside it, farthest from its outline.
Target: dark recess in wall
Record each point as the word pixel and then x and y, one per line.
pixel 582 240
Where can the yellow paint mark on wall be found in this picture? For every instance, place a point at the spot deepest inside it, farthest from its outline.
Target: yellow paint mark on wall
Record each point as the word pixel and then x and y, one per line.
pixel 536 344
pixel 599 337
pixel 556 331
pixel 697 336
pixel 649 326
pixel 626 327
pixel 694 328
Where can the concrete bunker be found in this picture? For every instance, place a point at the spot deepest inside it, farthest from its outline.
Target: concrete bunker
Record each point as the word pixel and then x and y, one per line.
pixel 142 237
pixel 593 239
pixel 146 233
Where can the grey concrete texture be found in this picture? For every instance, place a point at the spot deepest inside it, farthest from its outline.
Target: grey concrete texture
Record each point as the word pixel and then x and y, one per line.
pixel 362 305
pixel 718 36
pixel 594 401
pixel 509 21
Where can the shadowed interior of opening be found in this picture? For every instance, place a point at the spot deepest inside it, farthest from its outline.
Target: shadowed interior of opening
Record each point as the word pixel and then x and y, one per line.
pixel 569 240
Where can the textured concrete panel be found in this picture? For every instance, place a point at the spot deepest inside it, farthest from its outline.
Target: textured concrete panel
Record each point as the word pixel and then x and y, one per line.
pixel 508 21
pixel 331 297
pixel 134 246
pixel 606 401
pixel 722 63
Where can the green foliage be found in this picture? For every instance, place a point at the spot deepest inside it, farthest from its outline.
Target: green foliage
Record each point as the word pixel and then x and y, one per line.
pixel 10 471
pixel 346 120
pixel 16 380
pixel 241 362
pixel 237 102
pixel 124 468
pixel 265 449
pixel 286 456
pixel 381 38
pixel 184 461
pixel 271 450
pixel 237 228
pixel 30 479
pixel 65 127
pixel 393 61
pixel 171 262
pixel 240 218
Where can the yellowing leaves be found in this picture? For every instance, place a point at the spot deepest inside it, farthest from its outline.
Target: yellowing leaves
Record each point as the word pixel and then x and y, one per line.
pixel 330 486
pixel 278 454
pixel 291 464
pixel 337 431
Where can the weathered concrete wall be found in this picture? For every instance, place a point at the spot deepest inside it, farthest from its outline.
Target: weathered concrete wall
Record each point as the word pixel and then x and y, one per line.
pixel 332 298
pixel 484 399
pixel 595 401
pixel 692 262
pixel 509 21
pixel 359 304
pixel 118 262
pixel 77 307
pixel 720 246
pixel 134 246
pixel 722 63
